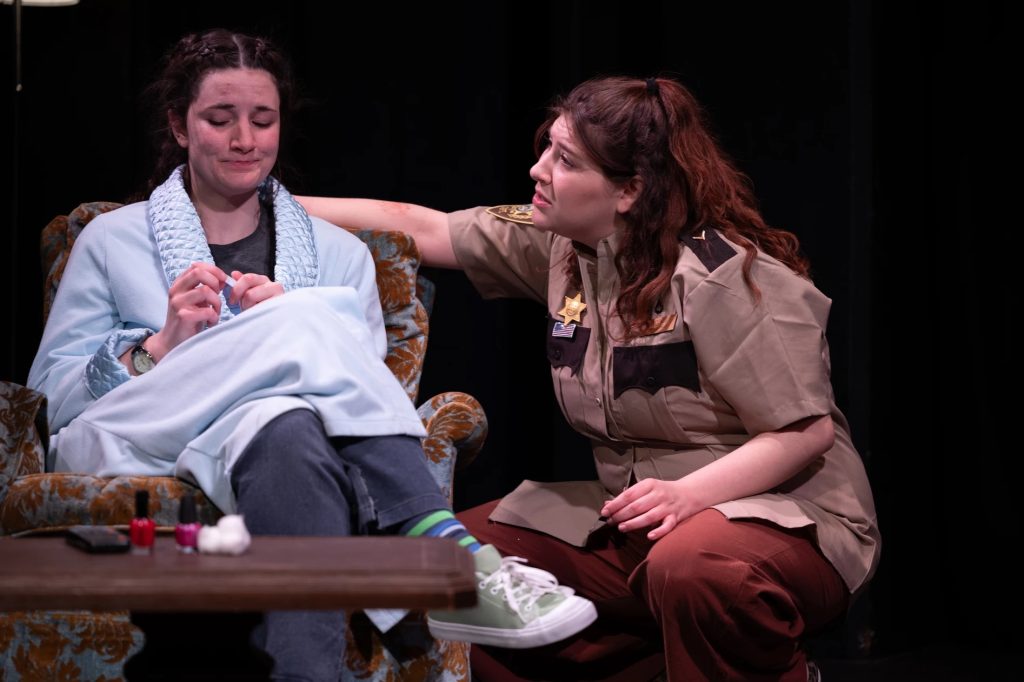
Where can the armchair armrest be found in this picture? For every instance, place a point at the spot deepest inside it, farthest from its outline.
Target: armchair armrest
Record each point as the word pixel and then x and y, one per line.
pixel 32 500
pixel 456 430
pixel 24 434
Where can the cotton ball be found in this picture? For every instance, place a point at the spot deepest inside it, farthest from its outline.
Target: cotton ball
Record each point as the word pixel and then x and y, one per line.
pixel 208 540
pixel 235 536
pixel 229 536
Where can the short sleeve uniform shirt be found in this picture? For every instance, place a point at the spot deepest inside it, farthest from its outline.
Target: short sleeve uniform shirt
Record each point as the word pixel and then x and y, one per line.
pixel 718 367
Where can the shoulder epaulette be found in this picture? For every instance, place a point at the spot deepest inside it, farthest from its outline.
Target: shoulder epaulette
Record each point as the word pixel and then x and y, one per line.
pixel 518 213
pixel 709 247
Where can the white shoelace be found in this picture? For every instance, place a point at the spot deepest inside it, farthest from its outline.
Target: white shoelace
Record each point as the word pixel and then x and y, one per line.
pixel 522 586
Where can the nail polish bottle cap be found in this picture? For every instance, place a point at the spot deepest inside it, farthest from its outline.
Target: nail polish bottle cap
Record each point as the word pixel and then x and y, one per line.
pixel 187 509
pixel 141 504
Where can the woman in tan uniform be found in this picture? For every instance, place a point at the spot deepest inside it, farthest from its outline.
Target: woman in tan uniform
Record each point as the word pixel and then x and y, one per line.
pixel 688 344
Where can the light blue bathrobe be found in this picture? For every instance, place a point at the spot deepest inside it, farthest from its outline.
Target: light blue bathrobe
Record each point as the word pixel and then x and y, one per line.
pixel 320 346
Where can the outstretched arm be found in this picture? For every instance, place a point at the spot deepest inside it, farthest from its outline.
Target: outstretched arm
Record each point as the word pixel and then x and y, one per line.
pixel 428 227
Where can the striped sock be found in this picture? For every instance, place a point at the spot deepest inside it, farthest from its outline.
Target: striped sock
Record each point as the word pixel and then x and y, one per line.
pixel 441 524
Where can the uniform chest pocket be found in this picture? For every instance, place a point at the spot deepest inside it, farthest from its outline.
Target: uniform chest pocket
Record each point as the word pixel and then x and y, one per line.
pixel 567 351
pixel 651 368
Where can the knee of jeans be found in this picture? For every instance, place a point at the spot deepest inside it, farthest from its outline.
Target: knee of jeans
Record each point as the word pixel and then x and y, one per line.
pixel 291 445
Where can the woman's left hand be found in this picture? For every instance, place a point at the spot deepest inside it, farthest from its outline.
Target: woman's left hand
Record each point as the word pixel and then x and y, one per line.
pixel 759 465
pixel 651 502
pixel 252 289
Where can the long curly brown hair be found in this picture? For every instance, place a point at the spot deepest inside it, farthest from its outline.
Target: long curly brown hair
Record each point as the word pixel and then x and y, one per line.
pixel 656 130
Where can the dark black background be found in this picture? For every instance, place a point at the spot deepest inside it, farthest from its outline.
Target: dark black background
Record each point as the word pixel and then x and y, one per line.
pixel 872 130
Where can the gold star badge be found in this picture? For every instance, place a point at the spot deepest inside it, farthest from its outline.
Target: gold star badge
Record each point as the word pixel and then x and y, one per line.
pixel 570 312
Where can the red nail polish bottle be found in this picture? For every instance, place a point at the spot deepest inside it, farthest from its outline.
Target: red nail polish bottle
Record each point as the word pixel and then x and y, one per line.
pixel 143 529
pixel 186 533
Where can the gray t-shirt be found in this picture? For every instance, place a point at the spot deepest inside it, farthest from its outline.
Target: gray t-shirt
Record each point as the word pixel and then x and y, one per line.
pixel 248 254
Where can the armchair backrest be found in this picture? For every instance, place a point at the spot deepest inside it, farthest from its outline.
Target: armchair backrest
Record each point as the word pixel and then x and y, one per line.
pixel 405 297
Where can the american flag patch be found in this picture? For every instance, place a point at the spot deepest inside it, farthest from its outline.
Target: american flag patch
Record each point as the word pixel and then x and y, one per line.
pixel 563 330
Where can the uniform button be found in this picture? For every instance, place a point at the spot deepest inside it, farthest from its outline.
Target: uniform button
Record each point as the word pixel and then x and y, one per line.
pixel 598 401
pixel 558 354
pixel 650 381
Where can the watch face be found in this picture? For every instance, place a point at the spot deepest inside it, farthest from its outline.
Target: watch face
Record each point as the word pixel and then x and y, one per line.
pixel 142 361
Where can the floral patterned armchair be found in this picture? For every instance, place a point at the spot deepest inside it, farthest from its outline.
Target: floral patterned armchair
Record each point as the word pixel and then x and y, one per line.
pixel 91 645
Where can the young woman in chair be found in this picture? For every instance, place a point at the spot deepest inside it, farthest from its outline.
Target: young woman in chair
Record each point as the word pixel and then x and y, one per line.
pixel 218 333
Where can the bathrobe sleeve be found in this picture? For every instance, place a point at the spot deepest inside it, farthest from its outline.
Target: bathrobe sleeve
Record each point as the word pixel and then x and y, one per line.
pixel 88 328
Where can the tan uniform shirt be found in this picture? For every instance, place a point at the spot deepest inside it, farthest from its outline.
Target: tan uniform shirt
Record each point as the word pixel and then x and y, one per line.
pixel 719 369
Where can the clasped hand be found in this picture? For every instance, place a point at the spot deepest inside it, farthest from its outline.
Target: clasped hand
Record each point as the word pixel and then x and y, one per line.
pixel 194 302
pixel 650 502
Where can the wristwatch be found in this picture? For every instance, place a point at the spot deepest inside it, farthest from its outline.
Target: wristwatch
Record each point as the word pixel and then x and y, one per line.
pixel 142 360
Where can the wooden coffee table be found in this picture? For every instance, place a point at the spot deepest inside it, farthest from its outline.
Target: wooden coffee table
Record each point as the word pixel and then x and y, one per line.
pixel 206 605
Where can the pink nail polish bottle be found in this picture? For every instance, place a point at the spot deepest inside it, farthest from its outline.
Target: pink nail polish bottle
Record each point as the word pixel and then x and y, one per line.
pixel 186 533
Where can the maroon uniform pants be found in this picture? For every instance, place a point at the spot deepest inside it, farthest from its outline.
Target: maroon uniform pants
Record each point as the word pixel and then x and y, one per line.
pixel 713 600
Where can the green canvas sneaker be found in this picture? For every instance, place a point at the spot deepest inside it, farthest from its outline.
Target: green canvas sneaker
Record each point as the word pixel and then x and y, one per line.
pixel 517 607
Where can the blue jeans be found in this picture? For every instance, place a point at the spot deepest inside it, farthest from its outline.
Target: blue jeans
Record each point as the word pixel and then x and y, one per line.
pixel 293 479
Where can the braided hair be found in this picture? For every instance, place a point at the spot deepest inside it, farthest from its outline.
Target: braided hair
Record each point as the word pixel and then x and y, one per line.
pixel 185 66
